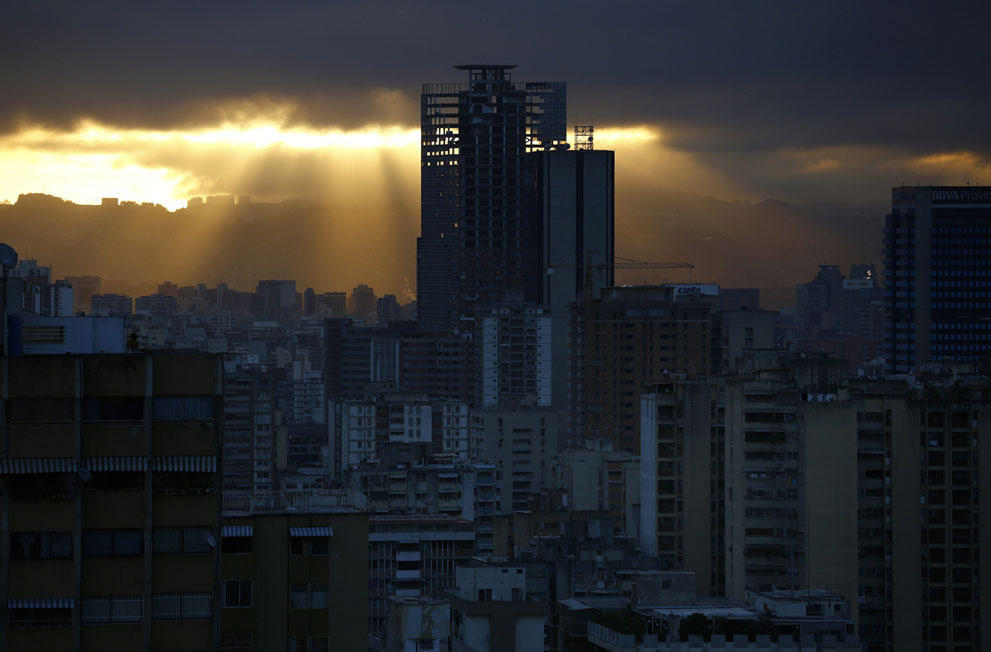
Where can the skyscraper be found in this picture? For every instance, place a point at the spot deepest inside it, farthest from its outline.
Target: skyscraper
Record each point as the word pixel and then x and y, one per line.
pixel 937 259
pixel 479 229
pixel 575 199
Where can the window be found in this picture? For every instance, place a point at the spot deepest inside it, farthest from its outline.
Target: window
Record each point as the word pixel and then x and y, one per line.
pixel 125 408
pixel 318 596
pixel 308 596
pixel 236 545
pixel 112 543
pixel 181 606
pixel 21 618
pixel 313 644
pixel 309 545
pixel 110 610
pixel 43 334
pixel 237 593
pixel 190 539
pixel 116 481
pixel 40 545
pixel 182 408
pixel 183 483
pixel 239 642
pixel 319 545
pixel 298 598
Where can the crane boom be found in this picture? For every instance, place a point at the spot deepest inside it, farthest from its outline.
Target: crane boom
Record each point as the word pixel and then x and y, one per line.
pixel 629 263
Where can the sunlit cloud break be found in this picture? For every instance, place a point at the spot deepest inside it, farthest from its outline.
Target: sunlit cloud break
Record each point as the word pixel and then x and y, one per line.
pixel 95 160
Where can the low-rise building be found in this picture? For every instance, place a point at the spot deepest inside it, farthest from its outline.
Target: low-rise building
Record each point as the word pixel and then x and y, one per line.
pixel 295 569
pixel 413 556
pixel 490 610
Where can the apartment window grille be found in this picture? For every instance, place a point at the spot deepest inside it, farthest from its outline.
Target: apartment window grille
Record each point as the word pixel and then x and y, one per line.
pixel 112 543
pixel 111 610
pixel 183 408
pixel 167 540
pixel 39 618
pixel 312 644
pixel 181 606
pixel 236 642
pixel 43 334
pixel 40 545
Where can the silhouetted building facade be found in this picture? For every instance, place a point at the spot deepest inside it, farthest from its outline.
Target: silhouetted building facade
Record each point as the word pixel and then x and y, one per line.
pixel 937 260
pixel 479 230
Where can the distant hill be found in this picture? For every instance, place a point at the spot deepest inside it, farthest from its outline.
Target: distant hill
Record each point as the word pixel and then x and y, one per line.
pixel 770 244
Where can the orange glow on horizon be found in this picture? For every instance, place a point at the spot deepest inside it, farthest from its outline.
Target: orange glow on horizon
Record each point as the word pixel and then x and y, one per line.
pixel 95 160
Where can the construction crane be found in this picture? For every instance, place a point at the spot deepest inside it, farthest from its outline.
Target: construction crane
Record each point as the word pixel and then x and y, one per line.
pixel 619 263
pixel 632 264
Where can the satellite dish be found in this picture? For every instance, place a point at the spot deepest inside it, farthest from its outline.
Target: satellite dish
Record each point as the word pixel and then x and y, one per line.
pixel 85 475
pixel 8 257
pixel 210 540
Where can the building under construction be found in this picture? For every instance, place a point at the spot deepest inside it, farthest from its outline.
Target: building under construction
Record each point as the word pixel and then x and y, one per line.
pixel 480 229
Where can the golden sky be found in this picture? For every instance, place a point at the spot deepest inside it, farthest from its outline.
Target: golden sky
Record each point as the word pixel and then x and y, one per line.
pixel 366 178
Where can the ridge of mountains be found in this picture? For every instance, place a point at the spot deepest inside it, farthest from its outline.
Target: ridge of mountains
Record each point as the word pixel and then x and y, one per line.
pixel 771 244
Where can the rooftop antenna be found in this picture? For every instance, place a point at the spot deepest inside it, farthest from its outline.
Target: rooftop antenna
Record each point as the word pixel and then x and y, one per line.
pixel 584 138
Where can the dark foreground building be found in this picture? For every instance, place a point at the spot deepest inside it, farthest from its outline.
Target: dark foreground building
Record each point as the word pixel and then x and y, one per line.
pixel 110 502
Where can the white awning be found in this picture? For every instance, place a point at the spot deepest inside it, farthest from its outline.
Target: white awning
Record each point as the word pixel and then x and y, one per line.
pixel 319 531
pixel 39 603
pixel 237 531
pixel 20 465
pixel 115 463
pixel 198 464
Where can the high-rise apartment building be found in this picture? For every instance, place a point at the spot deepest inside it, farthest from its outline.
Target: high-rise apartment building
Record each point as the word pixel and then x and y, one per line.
pixel 250 431
pixel 436 365
pixel 937 260
pixel 630 337
pixel 512 361
pixel 110 502
pixel 682 501
pixel 479 230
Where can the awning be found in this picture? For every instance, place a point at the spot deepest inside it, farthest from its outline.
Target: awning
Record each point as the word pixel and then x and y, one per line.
pixel 39 603
pixel 19 465
pixel 198 464
pixel 115 463
pixel 237 531
pixel 319 531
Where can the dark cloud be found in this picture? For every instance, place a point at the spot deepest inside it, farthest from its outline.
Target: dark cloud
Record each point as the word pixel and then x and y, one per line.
pixel 725 81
